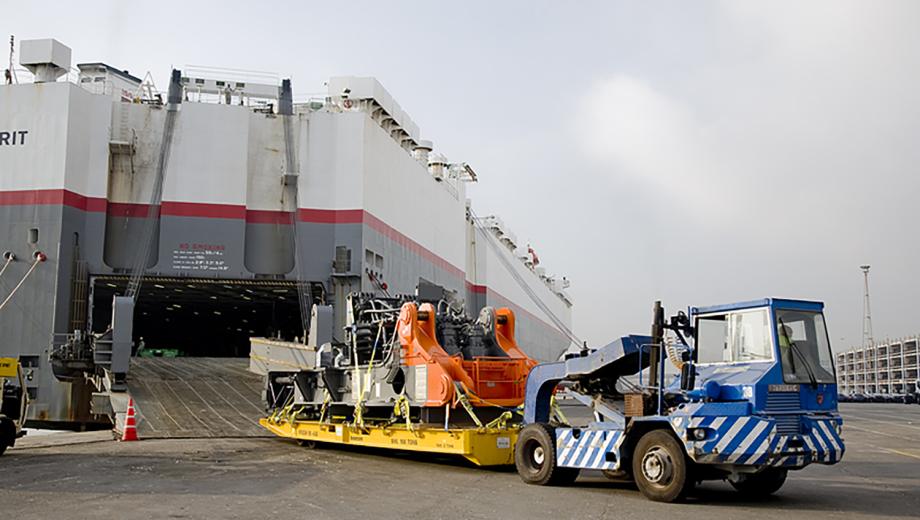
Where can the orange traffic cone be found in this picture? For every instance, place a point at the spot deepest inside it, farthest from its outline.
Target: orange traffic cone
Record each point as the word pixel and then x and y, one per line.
pixel 129 433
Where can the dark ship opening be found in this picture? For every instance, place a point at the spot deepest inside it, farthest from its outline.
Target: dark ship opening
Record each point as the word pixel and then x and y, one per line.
pixel 177 317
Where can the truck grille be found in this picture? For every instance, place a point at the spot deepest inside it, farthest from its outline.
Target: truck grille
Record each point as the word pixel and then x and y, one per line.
pixel 785 409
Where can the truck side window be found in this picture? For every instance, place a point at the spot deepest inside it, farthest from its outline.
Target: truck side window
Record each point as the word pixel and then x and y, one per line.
pixel 734 337
pixel 712 339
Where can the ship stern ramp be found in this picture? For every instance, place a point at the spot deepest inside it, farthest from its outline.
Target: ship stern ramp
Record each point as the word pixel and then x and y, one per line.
pixel 186 397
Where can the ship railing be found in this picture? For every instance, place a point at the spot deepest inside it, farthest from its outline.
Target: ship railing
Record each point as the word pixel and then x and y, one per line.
pixel 107 88
pixel 310 102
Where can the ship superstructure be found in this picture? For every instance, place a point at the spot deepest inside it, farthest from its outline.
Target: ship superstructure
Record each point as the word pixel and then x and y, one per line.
pixel 255 221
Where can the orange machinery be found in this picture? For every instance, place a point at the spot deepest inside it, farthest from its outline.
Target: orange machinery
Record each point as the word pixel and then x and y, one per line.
pixel 496 380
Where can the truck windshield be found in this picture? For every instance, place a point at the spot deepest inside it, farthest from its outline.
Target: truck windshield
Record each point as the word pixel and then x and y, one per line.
pixel 804 348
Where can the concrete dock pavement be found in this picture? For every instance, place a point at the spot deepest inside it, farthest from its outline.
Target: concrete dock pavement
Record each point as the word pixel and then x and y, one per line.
pixel 254 477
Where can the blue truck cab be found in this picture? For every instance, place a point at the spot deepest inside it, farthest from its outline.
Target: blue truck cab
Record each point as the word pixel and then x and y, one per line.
pixel 742 392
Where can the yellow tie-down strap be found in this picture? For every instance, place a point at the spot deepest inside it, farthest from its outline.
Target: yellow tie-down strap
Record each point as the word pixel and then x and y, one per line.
pixel 482 446
pixel 8 367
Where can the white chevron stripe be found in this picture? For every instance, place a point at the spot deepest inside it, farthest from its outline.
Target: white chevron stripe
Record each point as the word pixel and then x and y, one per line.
pixel 567 440
pixel 759 450
pixel 731 433
pixel 561 438
pixel 815 436
pixel 810 444
pixel 600 453
pixel 589 449
pixel 598 456
pixel 611 447
pixel 608 447
pixel 741 450
pixel 716 424
pixel 570 450
pixel 831 439
pixel 576 452
pixel 827 442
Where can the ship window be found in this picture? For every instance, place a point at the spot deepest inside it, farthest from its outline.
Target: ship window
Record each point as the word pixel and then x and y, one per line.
pixel 378 262
pixel 368 258
pixel 240 85
pixel 33 236
pixel 99 79
pixel 85 80
pixel 199 81
pixel 342 263
pixel 220 83
pixel 29 361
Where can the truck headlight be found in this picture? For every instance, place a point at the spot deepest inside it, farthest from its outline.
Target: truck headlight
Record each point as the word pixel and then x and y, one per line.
pixel 696 434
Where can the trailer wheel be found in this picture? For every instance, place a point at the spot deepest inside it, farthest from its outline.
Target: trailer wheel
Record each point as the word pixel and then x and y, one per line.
pixel 761 484
pixel 535 457
pixel 660 467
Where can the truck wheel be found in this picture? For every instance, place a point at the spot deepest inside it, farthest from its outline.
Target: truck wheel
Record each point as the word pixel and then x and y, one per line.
pixel 761 484
pixel 660 467
pixel 535 457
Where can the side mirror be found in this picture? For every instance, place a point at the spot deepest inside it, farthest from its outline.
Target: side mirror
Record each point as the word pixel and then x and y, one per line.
pixel 687 377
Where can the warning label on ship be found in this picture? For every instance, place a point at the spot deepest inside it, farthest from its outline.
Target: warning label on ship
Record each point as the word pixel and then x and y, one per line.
pixel 199 257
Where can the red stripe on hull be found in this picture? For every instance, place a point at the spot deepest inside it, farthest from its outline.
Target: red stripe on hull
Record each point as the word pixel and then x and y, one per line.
pixel 124 209
pixel 478 289
pixel 232 211
pixel 330 216
pixel 203 210
pixel 384 229
pixel 52 198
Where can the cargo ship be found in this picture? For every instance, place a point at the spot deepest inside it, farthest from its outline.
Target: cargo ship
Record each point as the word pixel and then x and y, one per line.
pixel 229 212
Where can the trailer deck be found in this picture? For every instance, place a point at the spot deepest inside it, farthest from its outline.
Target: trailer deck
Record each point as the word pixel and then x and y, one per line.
pixel 482 446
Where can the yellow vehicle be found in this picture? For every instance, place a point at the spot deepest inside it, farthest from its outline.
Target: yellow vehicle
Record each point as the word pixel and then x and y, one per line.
pixel 15 402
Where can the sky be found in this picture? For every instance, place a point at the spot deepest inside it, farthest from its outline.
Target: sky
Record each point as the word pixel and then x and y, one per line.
pixel 691 152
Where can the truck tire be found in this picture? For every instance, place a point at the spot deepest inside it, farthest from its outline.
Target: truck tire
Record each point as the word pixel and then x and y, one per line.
pixel 761 484
pixel 535 457
pixel 660 467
